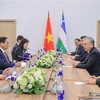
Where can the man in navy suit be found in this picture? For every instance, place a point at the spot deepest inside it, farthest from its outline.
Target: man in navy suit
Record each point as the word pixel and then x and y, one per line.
pixel 19 39
pixel 77 50
pixel 92 62
pixel 4 59
pixel 83 54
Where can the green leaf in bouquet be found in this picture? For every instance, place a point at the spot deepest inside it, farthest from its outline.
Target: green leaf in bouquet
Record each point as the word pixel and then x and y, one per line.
pixel 25 77
pixel 28 81
pixel 48 66
pixel 43 74
pixel 25 90
pixel 14 90
pixel 37 83
pixel 33 84
pixel 37 91
pixel 19 91
pixel 31 90
pixel 42 88
pixel 30 74
pixel 52 52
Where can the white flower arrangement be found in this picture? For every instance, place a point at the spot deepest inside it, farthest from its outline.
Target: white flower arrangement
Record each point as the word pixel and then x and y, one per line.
pixel 52 52
pixel 47 60
pixel 31 81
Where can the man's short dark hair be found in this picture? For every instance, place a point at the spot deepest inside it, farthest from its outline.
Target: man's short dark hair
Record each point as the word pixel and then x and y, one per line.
pixel 19 37
pixel 77 39
pixel 2 39
pixel 82 37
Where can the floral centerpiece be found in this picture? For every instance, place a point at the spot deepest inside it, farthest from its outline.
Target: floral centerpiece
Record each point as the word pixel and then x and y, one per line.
pixel 31 81
pixel 47 60
pixel 52 52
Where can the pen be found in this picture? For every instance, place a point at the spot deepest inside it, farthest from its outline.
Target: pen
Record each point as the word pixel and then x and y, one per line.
pixel 94 94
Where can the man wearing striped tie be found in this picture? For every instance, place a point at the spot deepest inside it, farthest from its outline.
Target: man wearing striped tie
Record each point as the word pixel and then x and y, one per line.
pixel 4 59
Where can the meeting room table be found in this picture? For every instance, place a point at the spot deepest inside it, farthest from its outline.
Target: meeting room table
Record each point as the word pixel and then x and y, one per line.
pixel 71 77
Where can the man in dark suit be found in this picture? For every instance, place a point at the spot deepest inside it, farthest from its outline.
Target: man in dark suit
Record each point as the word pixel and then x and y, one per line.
pixel 19 39
pixel 83 53
pixel 82 56
pixel 92 62
pixel 4 59
pixel 78 46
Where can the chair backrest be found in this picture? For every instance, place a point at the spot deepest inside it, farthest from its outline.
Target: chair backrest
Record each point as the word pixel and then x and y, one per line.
pixel 10 54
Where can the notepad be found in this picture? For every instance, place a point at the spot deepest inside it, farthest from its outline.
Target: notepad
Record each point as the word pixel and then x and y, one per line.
pixel 23 64
pixel 78 83
pixel 68 66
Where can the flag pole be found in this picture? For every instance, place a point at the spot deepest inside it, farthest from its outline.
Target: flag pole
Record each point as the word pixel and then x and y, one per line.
pixel 62 12
pixel 48 12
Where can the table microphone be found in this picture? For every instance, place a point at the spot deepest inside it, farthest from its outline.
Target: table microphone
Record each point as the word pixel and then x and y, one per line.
pixel 22 57
pixel 32 50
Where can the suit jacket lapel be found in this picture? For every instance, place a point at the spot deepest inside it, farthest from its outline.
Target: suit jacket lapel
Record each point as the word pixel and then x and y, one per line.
pixel 4 55
pixel 88 55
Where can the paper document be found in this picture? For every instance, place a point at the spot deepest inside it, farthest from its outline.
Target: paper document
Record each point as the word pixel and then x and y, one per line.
pixel 79 83
pixel 68 66
pixel 23 64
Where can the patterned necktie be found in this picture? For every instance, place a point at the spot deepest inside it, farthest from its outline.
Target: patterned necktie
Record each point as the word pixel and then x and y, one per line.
pixel 6 57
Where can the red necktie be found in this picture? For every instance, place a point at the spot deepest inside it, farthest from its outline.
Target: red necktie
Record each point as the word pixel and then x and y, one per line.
pixel 6 57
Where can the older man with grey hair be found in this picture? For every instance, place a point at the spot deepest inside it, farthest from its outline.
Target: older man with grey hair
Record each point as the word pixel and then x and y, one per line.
pixel 92 61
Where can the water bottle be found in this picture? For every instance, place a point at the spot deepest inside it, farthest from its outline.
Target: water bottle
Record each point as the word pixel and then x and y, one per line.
pixel 41 52
pixel 38 58
pixel 14 73
pixel 38 55
pixel 44 52
pixel 60 83
pixel 60 91
pixel 57 51
pixel 53 87
pixel 60 66
pixel 58 69
pixel 60 87
pixel 61 50
pixel 59 56
pixel 30 61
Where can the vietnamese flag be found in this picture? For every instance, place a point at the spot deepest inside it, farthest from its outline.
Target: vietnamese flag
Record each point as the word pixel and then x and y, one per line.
pixel 48 40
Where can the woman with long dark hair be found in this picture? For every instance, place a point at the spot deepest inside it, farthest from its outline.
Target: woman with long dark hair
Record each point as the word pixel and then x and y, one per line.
pixel 20 51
